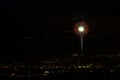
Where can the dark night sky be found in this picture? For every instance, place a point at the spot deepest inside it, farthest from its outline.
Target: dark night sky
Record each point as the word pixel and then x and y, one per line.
pixel 46 27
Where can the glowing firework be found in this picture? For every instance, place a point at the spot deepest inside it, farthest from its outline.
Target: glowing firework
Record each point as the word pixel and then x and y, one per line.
pixel 81 29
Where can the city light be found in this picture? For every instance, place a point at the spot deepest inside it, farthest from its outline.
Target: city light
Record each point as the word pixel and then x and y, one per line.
pixel 67 64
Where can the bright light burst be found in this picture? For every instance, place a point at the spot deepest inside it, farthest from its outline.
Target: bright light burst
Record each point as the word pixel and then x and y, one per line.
pixel 81 28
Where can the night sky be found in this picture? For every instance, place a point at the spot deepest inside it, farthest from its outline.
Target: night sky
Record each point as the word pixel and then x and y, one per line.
pixel 46 27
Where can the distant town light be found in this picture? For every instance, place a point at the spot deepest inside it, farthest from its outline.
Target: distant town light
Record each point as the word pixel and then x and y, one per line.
pixel 46 72
pixel 80 66
pixel 13 74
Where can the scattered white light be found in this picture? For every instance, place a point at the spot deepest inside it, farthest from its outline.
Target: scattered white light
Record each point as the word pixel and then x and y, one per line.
pixel 80 66
pixel 46 72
